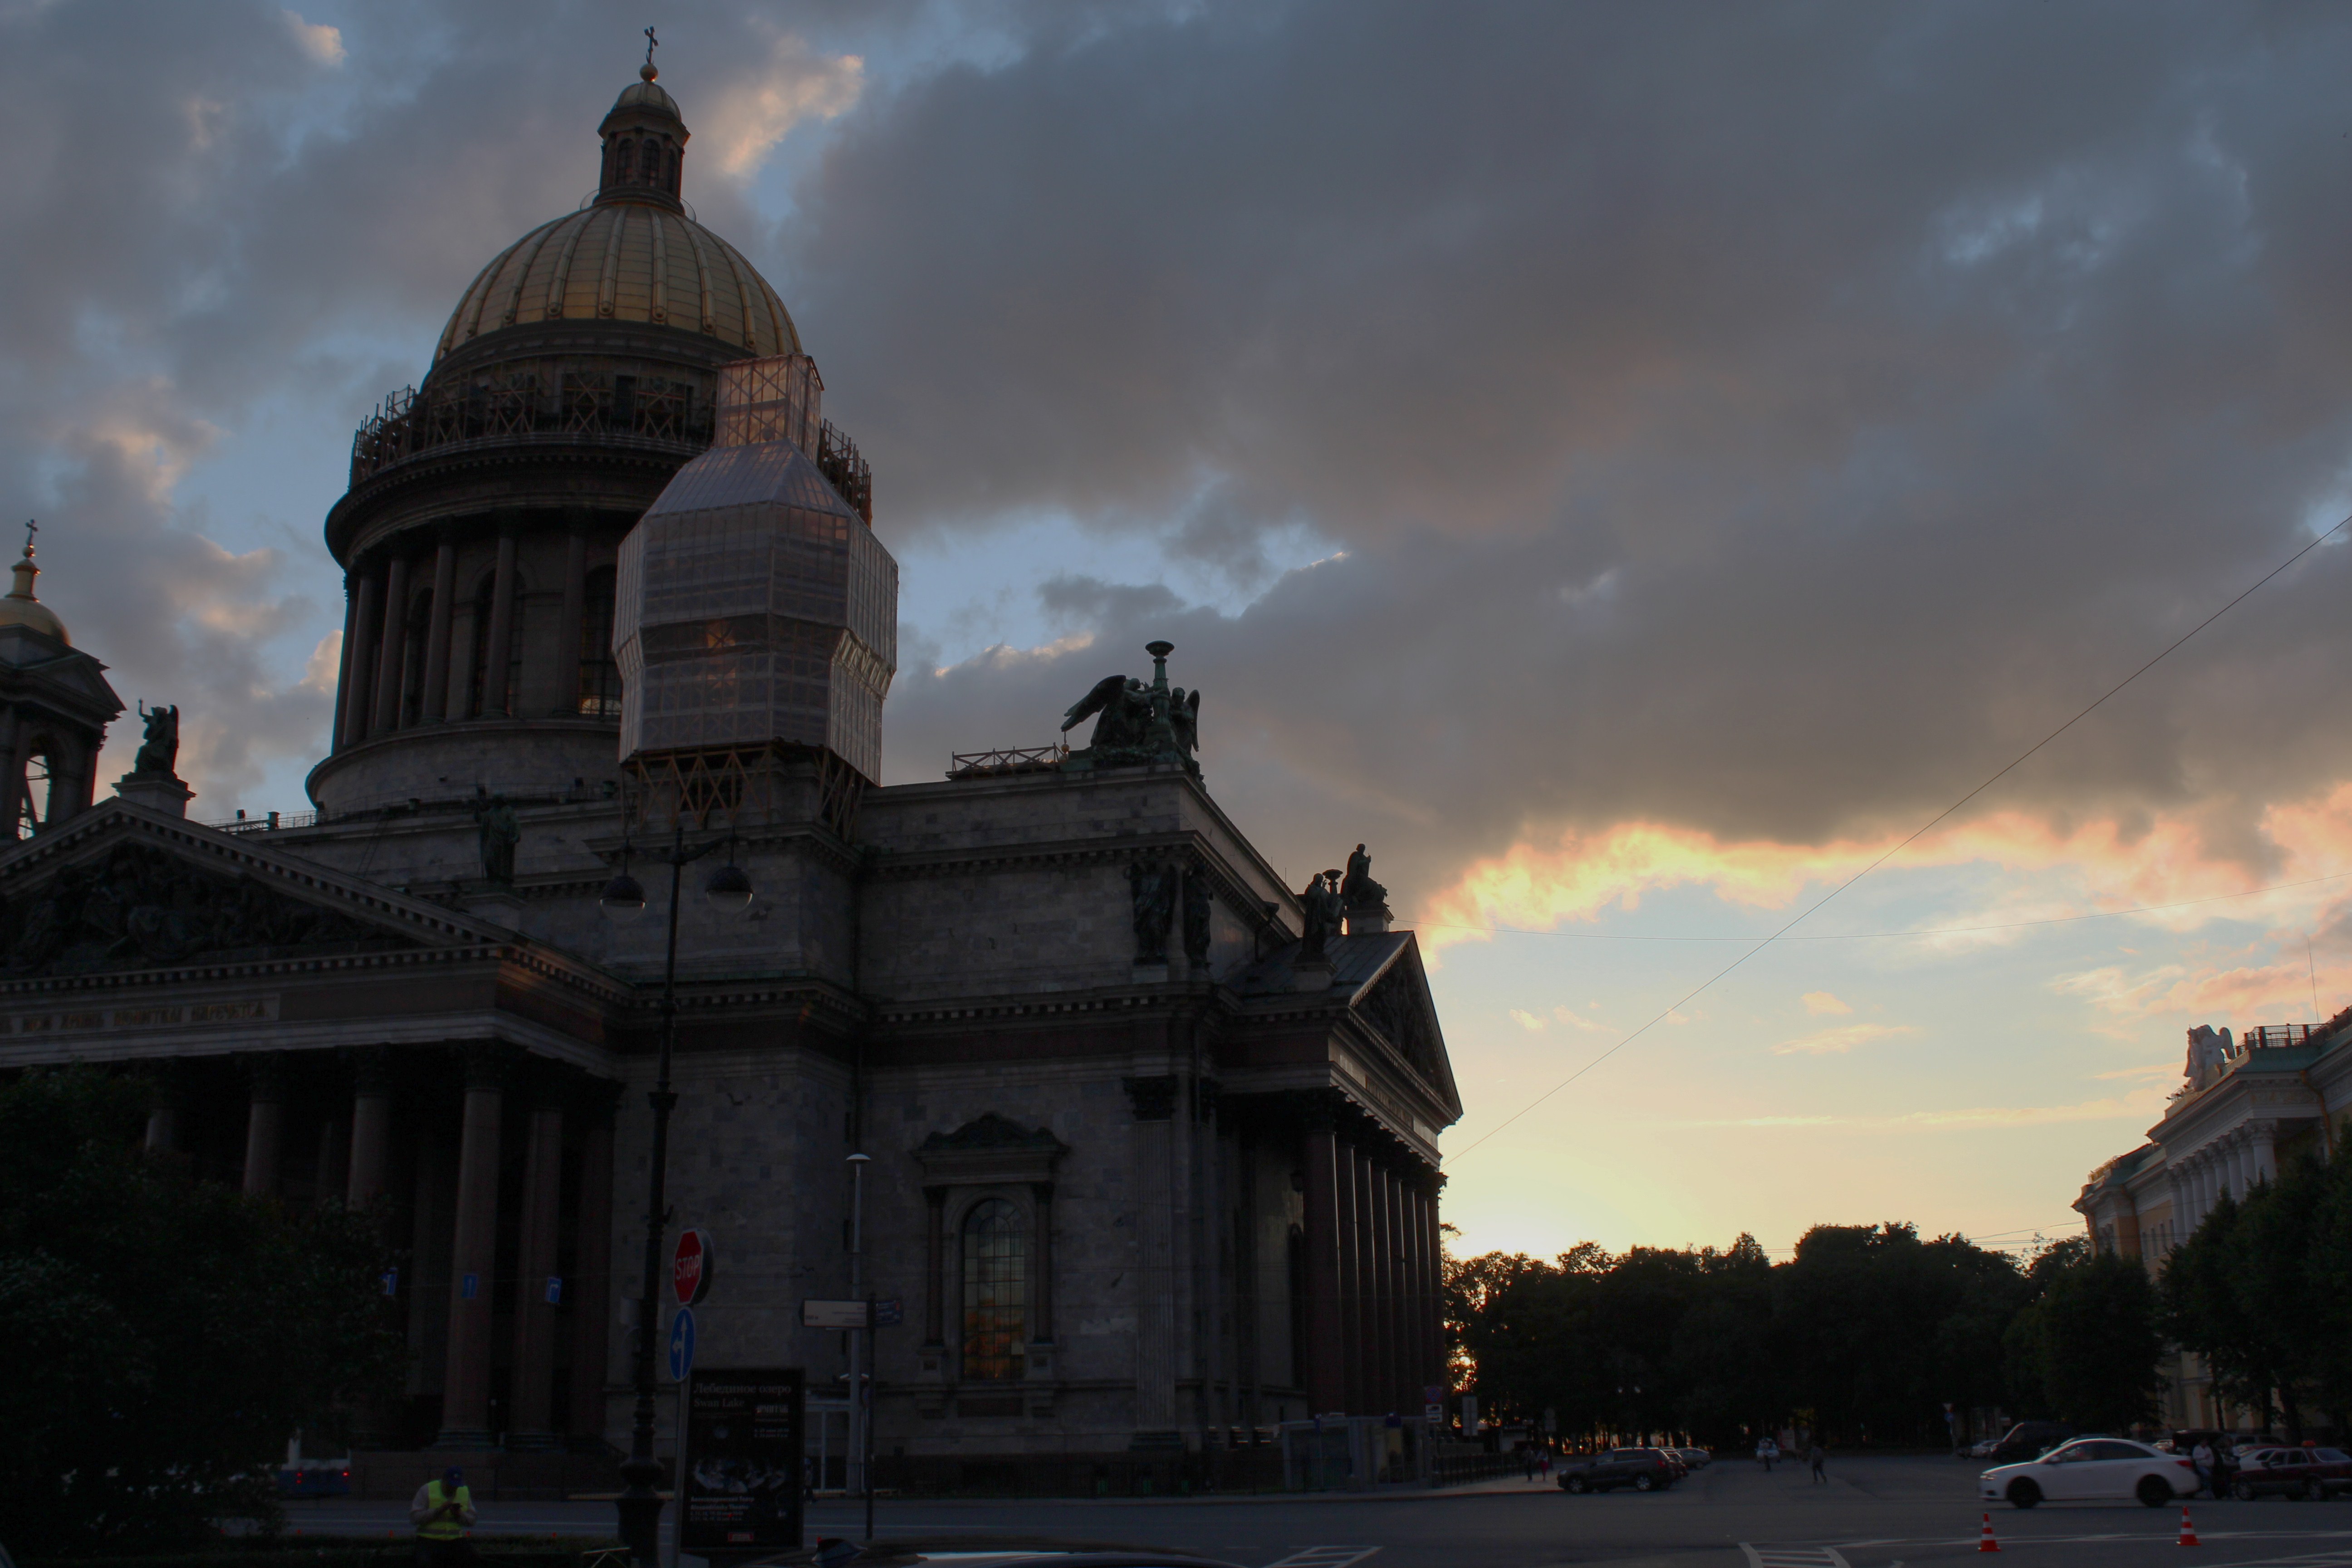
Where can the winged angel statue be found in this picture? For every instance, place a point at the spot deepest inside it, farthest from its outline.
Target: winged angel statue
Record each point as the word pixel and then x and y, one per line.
pixel 1135 723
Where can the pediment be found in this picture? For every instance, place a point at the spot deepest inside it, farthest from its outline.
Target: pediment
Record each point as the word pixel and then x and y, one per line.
pixel 1396 1002
pixel 124 887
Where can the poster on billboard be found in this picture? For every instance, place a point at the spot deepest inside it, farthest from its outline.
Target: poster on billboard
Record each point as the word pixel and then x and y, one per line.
pixel 742 1491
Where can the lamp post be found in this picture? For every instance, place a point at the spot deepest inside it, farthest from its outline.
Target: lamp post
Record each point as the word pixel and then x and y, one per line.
pixel 624 899
pixel 861 1341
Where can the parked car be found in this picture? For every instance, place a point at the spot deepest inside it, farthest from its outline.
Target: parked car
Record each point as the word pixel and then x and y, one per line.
pixel 316 1477
pixel 1694 1458
pixel 1644 1469
pixel 2307 1473
pixel 2102 1468
pixel 2028 1440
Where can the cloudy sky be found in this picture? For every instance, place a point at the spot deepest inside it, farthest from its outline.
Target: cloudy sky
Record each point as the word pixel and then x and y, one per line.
pixel 1631 465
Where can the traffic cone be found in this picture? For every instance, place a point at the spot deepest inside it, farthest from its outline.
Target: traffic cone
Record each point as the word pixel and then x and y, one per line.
pixel 1985 1543
pixel 2188 1530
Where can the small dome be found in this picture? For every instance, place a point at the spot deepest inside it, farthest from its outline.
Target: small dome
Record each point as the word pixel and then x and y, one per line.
pixel 19 608
pixel 633 255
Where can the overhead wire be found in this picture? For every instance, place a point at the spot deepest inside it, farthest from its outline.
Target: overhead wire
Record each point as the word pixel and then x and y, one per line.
pixel 1912 836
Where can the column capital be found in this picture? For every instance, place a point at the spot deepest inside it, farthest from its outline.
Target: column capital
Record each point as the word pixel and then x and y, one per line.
pixel 491 1064
pixel 545 1083
pixel 374 1069
pixel 265 1075
pixel 1152 1098
pixel 596 1100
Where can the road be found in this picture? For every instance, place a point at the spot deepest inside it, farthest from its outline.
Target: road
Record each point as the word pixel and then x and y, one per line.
pixel 1873 1513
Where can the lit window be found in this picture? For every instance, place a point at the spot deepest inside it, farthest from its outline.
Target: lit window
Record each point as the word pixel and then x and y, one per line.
pixel 995 1290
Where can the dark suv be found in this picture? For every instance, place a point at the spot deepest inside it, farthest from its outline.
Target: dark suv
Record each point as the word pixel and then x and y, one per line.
pixel 1644 1469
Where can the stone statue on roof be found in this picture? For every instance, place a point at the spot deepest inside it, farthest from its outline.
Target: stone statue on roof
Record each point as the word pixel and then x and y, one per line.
pixel 2209 1055
pixel 1136 723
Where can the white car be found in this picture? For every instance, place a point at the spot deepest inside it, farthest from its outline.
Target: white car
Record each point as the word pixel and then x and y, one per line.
pixel 2109 1470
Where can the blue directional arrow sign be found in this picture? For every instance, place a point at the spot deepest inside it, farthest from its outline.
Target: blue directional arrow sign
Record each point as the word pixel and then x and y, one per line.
pixel 682 1344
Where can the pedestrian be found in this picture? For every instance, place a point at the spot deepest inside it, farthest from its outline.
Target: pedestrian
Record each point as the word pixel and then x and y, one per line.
pixel 2202 1457
pixel 443 1511
pixel 1819 1457
pixel 1766 1451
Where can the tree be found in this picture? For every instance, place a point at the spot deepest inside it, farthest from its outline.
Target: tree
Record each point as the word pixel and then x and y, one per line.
pixel 2101 1343
pixel 166 1335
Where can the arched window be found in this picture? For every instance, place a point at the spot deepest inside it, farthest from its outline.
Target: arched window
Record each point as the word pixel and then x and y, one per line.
pixel 599 673
pixel 649 162
pixel 33 806
pixel 413 653
pixel 995 1290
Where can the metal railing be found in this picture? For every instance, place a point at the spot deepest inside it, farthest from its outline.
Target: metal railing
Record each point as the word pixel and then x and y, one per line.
pixel 270 822
pixel 666 413
pixel 1008 760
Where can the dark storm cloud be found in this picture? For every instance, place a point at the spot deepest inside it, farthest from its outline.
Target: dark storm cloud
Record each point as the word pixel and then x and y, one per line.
pixel 1767 419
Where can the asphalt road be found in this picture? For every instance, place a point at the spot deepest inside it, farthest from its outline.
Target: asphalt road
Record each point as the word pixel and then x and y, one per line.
pixel 1873 1513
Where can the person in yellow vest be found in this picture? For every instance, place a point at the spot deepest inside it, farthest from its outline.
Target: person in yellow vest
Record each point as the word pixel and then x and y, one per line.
pixel 443 1511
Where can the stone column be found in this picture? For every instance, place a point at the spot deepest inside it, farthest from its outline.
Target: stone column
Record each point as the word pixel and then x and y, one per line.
pixel 1154 1103
pixel 12 775
pixel 1352 1287
pixel 530 1415
pixel 473 1252
pixel 435 704
pixel 265 1125
pixel 1396 1318
pixel 592 1260
pixel 373 1083
pixel 1433 1282
pixel 935 1245
pixel 344 671
pixel 359 675
pixel 569 629
pixel 332 1173
pixel 1322 1360
pixel 496 699
pixel 2262 1152
pixel 393 643
pixel 1368 1282
pixel 1040 1295
pixel 163 1112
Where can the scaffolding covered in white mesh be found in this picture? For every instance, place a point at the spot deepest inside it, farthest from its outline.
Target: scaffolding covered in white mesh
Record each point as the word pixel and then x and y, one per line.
pixel 755 606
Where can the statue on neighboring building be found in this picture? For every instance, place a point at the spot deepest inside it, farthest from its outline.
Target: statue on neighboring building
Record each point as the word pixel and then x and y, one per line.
pixel 2208 1054
pixel 159 750
pixel 500 832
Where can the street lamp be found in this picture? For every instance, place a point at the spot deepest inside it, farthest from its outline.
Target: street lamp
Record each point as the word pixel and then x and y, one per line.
pixel 861 1408
pixel 624 899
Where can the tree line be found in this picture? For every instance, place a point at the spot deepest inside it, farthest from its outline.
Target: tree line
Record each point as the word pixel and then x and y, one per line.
pixel 1863 1335
pixel 165 1334
pixel 2262 1290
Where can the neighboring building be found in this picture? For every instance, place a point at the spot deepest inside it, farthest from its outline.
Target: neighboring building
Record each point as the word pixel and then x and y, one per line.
pixel 2244 1106
pixel 1153 1138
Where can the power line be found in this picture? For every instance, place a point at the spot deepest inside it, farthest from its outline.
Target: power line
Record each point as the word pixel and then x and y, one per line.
pixel 1880 935
pixel 1916 833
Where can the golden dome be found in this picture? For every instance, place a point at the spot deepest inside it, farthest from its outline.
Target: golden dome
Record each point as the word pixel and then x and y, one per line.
pixel 19 608
pixel 633 255
pixel 626 261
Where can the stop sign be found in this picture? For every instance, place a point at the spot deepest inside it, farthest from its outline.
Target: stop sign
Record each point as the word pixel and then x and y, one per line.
pixel 690 1266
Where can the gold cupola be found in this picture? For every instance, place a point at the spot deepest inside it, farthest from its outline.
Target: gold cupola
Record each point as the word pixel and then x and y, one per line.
pixel 20 608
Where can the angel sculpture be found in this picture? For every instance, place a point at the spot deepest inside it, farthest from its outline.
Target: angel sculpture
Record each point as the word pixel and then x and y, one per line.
pixel 1125 705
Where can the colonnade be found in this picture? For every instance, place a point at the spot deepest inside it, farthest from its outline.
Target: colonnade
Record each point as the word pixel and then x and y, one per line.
pixel 395 1097
pixel 2230 1164
pixel 1373 1330
pixel 387 660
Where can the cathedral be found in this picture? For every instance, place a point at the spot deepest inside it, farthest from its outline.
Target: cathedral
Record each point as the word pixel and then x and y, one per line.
pixel 1150 1138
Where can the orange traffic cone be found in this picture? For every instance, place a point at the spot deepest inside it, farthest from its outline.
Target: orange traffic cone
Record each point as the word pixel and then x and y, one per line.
pixel 1985 1543
pixel 2188 1530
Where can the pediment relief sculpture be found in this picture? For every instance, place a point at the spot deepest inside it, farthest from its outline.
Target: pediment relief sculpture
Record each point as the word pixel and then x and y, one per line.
pixel 139 907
